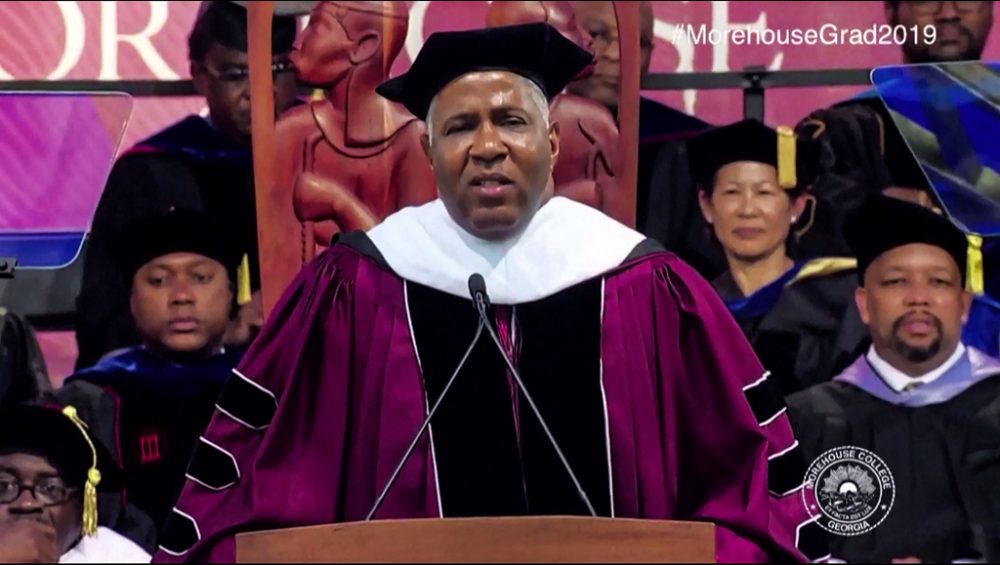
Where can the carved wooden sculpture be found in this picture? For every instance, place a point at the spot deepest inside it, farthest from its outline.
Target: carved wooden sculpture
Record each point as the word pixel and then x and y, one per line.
pixel 281 255
pixel 346 160
pixel 586 168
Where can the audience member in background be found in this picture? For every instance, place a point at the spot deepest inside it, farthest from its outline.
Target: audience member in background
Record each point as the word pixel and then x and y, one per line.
pixel 920 399
pixel 50 472
pixel 962 29
pixel 152 401
pixel 865 154
pixel 961 32
pixel 752 185
pixel 201 162
pixel 982 325
pixel 861 153
pixel 666 206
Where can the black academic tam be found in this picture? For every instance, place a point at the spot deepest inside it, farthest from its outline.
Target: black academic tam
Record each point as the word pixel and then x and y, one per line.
pixel 535 51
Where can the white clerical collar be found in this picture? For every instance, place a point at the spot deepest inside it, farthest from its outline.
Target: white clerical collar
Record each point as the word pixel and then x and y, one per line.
pixel 564 244
pixel 899 381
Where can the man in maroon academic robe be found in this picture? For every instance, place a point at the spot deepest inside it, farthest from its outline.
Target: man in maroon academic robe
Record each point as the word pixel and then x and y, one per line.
pixel 644 379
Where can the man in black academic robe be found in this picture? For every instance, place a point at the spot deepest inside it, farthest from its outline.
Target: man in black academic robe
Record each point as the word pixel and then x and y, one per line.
pixel 920 399
pixel 200 162
pixel 149 403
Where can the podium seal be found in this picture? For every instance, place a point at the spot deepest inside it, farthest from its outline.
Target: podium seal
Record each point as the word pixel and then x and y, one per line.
pixel 848 490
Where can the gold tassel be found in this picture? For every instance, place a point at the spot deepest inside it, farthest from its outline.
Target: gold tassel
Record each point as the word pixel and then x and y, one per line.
pixel 786 158
pixel 974 267
pixel 90 502
pixel 93 477
pixel 243 281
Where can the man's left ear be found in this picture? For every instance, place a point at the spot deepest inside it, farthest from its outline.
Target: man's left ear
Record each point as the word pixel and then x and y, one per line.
pixel 131 302
pixel 200 78
pixel 554 141
pixel 967 298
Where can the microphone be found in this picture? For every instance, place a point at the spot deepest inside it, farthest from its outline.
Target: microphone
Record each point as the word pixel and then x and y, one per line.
pixel 427 421
pixel 477 288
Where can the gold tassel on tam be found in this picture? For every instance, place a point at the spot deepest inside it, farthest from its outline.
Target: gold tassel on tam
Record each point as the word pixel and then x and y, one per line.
pixel 243 294
pixel 974 268
pixel 93 477
pixel 786 158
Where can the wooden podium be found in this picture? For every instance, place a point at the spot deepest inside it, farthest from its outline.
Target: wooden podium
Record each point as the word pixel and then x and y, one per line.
pixel 485 540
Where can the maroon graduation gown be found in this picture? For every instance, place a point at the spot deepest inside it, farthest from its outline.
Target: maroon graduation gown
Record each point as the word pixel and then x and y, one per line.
pixel 641 372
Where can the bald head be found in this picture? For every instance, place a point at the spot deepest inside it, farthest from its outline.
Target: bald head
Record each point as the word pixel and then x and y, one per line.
pixel 599 21
pixel 559 15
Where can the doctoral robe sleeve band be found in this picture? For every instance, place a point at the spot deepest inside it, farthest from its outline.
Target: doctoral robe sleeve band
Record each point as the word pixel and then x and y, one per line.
pixel 250 405
pixel 812 540
pixel 786 471
pixel 765 399
pixel 212 466
pixel 786 468
pixel 247 402
pixel 180 534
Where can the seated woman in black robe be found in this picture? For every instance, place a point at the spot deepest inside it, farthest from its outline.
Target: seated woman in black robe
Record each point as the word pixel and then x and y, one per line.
pixel 752 184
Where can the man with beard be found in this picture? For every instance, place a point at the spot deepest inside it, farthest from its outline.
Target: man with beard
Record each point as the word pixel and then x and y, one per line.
pixel 920 399
pixel 960 33
pixel 962 29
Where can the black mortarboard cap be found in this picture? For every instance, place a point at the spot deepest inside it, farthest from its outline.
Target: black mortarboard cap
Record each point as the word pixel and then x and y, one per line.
pixel 225 23
pixel 750 140
pixel 44 430
pixel 177 231
pixel 883 223
pixel 536 51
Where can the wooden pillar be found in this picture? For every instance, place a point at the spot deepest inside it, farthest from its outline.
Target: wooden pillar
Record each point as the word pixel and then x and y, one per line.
pixel 627 14
pixel 259 16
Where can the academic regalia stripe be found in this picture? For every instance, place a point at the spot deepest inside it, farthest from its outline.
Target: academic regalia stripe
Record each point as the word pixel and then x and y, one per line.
pixel 786 470
pixel 427 407
pixel 213 467
pixel 812 541
pixel 180 533
pixel 765 399
pixel 247 402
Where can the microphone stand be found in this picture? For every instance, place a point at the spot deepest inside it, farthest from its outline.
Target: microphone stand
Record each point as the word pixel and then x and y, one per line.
pixel 477 287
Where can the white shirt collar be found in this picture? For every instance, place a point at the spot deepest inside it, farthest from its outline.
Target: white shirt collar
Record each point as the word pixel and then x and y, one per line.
pixel 898 381
pixel 564 244
pixel 108 547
